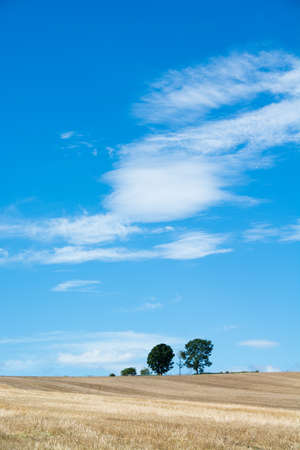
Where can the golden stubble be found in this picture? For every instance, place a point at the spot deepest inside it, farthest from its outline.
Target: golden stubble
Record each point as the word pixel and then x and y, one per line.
pixel 51 417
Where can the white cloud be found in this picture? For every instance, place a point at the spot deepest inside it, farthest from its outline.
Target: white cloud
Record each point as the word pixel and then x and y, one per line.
pixel 292 232
pixel 41 337
pixel 83 229
pixel 149 306
pixel 79 142
pixel 259 343
pixel 186 169
pixel 166 187
pixel 3 254
pixel 110 349
pixel 76 285
pixel 188 246
pixel 96 356
pixel 229 327
pixel 271 369
pixel 190 93
pixel 261 232
pixel 158 230
pixel 12 365
pixel 77 255
pixel 67 134
pixel 193 246
pixel 175 175
pixel 266 232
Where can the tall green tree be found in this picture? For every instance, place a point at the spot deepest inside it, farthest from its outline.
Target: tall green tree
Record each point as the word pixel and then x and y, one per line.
pixel 160 359
pixel 196 354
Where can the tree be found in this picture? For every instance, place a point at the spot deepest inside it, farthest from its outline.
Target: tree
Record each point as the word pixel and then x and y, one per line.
pixel 144 372
pixel 160 359
pixel 112 375
pixel 180 363
pixel 128 371
pixel 197 353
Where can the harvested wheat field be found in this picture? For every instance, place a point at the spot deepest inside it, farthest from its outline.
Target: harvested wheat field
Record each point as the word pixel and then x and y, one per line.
pixel 230 411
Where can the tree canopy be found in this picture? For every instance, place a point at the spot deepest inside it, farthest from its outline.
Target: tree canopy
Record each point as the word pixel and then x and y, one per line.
pixel 128 371
pixel 196 354
pixel 160 359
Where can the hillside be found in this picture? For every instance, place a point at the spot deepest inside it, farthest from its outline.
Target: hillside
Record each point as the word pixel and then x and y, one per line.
pixel 257 389
pixel 222 411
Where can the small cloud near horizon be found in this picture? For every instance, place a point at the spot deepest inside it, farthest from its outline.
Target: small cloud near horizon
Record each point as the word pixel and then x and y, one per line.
pixel 76 285
pixel 258 343
pixel 149 306
pixel 67 134
pixel 229 327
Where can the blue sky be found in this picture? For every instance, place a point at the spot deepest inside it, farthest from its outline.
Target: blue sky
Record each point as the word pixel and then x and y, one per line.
pixel 150 183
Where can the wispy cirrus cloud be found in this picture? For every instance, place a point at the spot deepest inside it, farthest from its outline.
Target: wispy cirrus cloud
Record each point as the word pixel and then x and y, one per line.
pixel 267 232
pixel 292 232
pixel 67 134
pixel 73 140
pixel 218 122
pixel 150 306
pixel 261 232
pixel 259 343
pixel 192 92
pixel 76 255
pixel 176 174
pixel 82 229
pixel 188 246
pixel 229 327
pixel 193 246
pixel 112 350
pixel 77 286
pixel 108 350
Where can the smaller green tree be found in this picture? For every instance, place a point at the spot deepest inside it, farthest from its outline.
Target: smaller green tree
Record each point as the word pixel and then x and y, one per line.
pixel 180 362
pixel 145 372
pixel 128 371
pixel 112 375
pixel 197 353
pixel 160 359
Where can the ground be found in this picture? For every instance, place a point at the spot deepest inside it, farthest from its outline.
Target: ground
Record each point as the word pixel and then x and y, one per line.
pixel 222 411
